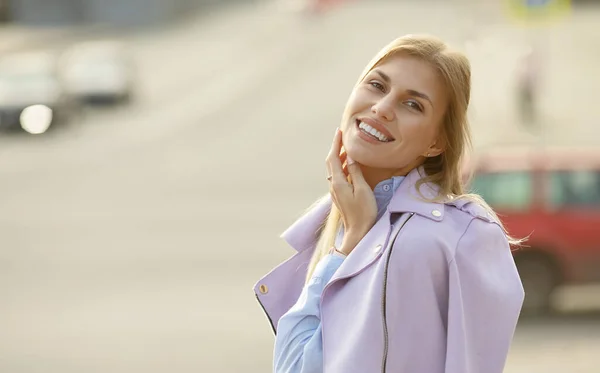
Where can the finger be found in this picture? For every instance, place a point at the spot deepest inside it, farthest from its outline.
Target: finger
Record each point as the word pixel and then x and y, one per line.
pixel 332 150
pixel 334 164
pixel 343 156
pixel 355 173
pixel 344 164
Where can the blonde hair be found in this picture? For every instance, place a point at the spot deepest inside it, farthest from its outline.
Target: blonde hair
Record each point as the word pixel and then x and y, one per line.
pixel 443 170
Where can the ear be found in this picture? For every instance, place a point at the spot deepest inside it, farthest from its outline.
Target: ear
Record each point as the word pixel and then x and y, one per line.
pixel 435 149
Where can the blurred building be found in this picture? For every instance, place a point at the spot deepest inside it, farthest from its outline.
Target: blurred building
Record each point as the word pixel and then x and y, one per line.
pixel 113 12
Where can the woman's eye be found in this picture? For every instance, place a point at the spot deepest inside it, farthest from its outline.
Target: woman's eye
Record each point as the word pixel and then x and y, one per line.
pixel 378 86
pixel 414 105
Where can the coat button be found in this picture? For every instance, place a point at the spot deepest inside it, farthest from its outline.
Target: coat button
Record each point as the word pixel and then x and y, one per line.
pixel 377 248
pixel 436 213
pixel 263 289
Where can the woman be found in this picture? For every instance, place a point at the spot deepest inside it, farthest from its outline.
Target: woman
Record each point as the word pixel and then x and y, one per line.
pixel 397 269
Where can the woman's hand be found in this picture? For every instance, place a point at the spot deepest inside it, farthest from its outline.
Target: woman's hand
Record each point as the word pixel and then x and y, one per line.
pixel 354 199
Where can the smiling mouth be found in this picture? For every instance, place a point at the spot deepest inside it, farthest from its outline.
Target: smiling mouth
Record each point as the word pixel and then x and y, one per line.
pixel 372 132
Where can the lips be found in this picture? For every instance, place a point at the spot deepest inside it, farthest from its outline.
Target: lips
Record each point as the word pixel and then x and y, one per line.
pixel 377 126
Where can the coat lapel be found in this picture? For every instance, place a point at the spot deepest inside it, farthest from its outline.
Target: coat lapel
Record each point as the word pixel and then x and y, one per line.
pixel 368 250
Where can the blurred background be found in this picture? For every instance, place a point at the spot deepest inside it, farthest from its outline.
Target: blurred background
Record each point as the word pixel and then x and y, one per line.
pixel 151 152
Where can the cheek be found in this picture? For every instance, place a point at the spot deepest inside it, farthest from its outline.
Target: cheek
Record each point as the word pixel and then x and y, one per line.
pixel 346 126
pixel 358 100
pixel 417 129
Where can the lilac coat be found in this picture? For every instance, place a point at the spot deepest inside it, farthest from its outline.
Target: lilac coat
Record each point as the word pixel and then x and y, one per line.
pixel 441 295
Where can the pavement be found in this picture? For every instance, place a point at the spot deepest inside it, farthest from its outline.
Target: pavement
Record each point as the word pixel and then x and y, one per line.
pixel 132 239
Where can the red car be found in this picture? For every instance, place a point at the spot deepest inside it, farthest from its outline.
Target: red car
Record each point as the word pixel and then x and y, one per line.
pixel 552 196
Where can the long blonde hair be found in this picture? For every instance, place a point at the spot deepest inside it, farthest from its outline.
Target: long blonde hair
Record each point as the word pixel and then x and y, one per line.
pixel 445 169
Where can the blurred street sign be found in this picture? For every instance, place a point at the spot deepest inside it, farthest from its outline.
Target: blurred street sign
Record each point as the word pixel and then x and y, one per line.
pixel 534 11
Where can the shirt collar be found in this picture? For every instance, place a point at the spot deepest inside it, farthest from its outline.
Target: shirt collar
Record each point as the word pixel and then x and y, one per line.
pixel 388 186
pixel 384 191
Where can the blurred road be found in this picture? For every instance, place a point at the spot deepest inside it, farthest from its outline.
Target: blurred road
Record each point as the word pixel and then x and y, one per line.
pixel 132 240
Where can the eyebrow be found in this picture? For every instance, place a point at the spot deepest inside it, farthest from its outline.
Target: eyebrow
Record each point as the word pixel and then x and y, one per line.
pixel 411 92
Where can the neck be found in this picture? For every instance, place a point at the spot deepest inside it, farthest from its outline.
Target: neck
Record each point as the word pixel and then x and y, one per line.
pixel 374 176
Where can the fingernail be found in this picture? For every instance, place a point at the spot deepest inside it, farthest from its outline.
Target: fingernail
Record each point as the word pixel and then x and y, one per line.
pixel 349 160
pixel 337 129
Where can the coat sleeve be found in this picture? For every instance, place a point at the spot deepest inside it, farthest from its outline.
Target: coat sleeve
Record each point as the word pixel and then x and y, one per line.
pixel 484 301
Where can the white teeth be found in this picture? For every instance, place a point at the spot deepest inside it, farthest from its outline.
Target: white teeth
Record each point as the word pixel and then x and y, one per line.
pixel 365 127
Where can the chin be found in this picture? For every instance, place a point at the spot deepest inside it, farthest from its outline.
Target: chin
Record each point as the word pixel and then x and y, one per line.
pixel 362 152
pixel 365 157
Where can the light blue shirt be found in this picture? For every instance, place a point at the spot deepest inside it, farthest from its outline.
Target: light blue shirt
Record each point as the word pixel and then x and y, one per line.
pixel 298 345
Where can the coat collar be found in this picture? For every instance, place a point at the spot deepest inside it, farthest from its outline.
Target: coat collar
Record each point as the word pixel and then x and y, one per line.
pixel 304 232
pixel 407 198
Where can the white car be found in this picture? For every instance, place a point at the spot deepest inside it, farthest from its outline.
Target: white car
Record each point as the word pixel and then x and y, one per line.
pixel 98 70
pixel 32 97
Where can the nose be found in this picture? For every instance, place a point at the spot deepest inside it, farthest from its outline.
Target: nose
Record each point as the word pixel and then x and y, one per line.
pixel 383 109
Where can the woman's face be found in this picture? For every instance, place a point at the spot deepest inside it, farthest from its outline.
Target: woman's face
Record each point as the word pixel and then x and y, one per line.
pixel 395 114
